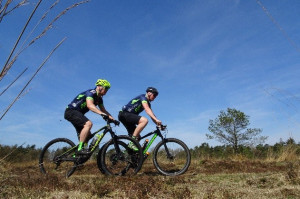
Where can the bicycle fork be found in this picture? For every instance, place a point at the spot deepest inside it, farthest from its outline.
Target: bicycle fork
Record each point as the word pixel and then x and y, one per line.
pixel 169 155
pixel 116 145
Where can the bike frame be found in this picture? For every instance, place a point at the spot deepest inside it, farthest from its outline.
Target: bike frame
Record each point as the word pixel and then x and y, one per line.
pixel 54 153
pixel 105 130
pixel 155 133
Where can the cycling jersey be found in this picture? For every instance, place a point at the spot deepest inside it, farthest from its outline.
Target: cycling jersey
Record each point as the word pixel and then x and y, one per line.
pixel 79 102
pixel 135 105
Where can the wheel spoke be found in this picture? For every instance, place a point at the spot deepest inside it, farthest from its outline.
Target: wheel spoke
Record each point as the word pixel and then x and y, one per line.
pixel 121 161
pixel 56 158
pixel 171 157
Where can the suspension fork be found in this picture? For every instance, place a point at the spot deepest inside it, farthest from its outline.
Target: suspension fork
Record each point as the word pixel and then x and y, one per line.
pixel 165 145
pixel 115 139
pixel 167 150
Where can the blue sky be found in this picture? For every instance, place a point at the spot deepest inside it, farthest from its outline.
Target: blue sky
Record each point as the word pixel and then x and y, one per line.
pixel 203 56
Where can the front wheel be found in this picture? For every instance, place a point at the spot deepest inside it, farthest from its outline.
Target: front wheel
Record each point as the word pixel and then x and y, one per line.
pixel 171 157
pixel 116 158
pixel 57 158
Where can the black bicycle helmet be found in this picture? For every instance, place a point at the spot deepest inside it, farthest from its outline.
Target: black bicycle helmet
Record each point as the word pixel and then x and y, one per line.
pixel 152 90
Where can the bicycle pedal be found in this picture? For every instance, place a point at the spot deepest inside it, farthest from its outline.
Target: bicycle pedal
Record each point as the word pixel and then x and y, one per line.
pixel 83 152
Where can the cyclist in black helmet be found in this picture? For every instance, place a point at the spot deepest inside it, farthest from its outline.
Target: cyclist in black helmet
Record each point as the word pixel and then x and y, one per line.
pixel 82 103
pixel 129 115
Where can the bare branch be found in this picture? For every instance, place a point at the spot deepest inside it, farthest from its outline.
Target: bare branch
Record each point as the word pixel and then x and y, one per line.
pixel 5 69
pixel 7 66
pixel 292 42
pixel 24 2
pixel 13 82
pixel 3 10
pixel 32 78
pixel 41 19
pixel 55 19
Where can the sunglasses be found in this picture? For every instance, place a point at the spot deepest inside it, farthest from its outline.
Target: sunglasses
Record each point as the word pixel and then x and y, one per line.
pixel 155 94
pixel 105 87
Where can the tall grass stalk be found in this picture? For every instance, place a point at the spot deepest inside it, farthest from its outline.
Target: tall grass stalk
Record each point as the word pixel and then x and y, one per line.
pixel 7 66
pixel 4 12
pixel 287 153
pixel 32 78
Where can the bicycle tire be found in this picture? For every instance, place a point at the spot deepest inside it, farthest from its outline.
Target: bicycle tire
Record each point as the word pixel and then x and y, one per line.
pixel 99 162
pixel 55 160
pixel 127 162
pixel 175 165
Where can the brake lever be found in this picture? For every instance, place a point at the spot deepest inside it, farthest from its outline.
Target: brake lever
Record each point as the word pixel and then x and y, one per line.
pixel 116 122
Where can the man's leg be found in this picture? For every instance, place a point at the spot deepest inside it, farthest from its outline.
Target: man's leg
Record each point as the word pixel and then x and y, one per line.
pixel 141 125
pixel 130 120
pixel 136 134
pixel 86 131
pixel 82 125
pixel 84 134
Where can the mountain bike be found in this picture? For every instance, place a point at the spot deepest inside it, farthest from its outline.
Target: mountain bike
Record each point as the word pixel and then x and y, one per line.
pixel 171 156
pixel 59 156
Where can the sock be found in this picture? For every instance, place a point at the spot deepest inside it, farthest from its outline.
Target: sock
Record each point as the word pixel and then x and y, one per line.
pixel 85 145
pixel 80 146
pixel 134 137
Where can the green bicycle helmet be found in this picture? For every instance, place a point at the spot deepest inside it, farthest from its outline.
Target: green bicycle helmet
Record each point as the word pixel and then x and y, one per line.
pixel 104 83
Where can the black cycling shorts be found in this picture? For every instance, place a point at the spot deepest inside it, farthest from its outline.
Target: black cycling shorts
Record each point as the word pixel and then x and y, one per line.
pixel 76 118
pixel 129 120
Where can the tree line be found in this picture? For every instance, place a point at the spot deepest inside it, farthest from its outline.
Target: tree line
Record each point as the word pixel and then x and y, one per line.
pixel 230 128
pixel 282 150
pixel 278 151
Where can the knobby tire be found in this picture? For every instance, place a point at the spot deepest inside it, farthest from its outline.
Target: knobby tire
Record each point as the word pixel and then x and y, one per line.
pixel 127 162
pixel 55 160
pixel 179 161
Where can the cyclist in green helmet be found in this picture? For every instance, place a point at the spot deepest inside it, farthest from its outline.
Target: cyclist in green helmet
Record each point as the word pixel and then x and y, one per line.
pixel 82 103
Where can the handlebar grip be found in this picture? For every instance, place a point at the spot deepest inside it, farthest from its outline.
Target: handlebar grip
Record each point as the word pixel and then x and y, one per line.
pixel 105 117
pixel 161 127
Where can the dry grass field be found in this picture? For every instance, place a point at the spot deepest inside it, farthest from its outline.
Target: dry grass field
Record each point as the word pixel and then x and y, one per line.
pixel 232 178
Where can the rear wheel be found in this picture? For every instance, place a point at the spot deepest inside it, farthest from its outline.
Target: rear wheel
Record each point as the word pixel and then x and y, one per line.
pixel 57 158
pixel 171 157
pixel 118 159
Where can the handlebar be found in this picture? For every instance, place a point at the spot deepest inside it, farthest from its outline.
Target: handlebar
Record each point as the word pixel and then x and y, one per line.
pixel 108 120
pixel 162 127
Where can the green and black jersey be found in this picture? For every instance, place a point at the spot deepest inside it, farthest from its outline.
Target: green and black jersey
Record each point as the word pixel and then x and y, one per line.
pixel 135 105
pixel 79 102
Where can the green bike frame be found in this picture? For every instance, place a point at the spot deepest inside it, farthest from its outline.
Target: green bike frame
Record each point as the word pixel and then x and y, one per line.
pixel 149 143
